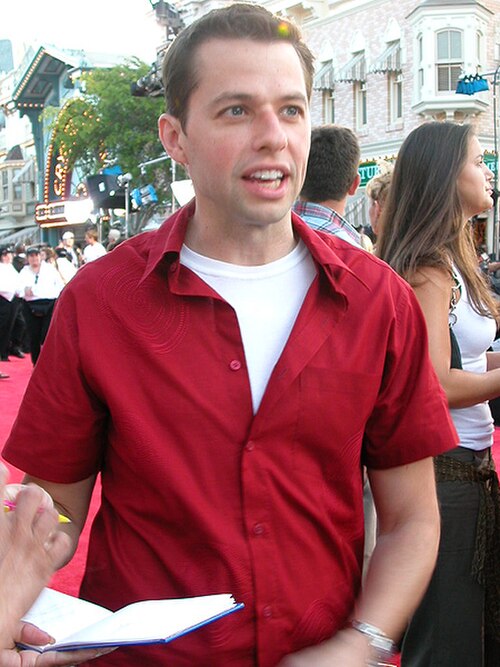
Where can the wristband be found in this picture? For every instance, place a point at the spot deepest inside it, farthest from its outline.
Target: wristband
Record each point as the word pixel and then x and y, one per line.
pixel 382 645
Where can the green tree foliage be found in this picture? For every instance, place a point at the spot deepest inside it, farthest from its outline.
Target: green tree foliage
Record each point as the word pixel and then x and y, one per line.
pixel 107 125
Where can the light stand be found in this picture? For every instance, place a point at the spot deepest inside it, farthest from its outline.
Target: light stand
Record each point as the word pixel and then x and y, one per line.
pixel 123 181
pixel 142 166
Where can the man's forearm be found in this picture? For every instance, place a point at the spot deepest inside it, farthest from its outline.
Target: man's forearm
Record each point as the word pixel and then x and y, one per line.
pixel 400 569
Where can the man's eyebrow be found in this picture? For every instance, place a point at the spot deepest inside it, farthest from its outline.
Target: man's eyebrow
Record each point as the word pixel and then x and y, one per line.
pixel 235 96
pixel 231 96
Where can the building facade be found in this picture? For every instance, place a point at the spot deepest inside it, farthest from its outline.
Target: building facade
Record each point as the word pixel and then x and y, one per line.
pixel 384 67
pixel 18 175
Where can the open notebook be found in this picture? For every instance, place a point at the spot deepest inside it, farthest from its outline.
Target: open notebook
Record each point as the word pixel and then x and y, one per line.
pixel 77 624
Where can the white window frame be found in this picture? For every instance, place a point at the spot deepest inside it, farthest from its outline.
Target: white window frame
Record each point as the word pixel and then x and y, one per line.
pixel 395 97
pixel 360 105
pixel 450 64
pixel 420 47
pixel 329 106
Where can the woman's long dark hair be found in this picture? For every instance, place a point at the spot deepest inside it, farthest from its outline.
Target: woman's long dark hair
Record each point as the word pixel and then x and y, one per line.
pixel 422 223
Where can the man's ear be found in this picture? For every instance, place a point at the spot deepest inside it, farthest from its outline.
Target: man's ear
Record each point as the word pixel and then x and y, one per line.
pixel 171 134
pixel 354 185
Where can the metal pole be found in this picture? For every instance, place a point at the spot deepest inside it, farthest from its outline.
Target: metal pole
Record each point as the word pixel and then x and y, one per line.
pixel 143 165
pixel 172 169
pixel 127 207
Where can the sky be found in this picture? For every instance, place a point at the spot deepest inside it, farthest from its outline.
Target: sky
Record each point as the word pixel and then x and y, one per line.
pixel 126 27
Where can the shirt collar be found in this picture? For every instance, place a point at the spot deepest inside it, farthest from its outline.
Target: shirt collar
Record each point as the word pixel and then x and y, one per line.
pixel 166 242
pixel 323 248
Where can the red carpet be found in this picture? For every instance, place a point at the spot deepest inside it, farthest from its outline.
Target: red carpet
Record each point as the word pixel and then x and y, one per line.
pixel 68 578
pixel 12 390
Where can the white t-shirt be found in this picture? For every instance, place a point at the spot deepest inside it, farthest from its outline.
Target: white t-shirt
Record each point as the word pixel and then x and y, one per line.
pixel 475 334
pixel 267 300
pixel 92 252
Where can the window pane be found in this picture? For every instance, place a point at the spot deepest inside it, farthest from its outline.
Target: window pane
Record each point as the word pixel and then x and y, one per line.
pixel 455 71
pixel 328 106
pixel 455 44
pixel 361 105
pixel 442 46
pixel 395 98
pixel 399 101
pixel 443 72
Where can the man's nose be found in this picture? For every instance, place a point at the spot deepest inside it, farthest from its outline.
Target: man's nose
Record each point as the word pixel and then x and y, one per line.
pixel 269 132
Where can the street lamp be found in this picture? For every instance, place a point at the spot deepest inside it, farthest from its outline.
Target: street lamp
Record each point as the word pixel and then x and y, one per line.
pixel 468 85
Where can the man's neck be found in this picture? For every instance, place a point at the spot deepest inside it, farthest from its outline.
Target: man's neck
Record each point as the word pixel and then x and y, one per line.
pixel 336 205
pixel 251 246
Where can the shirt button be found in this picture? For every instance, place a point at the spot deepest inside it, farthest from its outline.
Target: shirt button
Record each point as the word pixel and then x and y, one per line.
pixel 250 446
pixel 173 266
pixel 235 365
pixel 267 611
pixel 258 529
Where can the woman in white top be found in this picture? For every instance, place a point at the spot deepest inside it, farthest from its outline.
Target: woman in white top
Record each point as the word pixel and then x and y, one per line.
pixel 439 182
pixel 41 285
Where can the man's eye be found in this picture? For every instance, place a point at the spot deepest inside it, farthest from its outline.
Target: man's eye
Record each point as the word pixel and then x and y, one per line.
pixel 235 111
pixel 292 111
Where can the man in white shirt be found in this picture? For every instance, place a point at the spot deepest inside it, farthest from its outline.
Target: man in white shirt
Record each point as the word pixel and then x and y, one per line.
pixel 41 285
pixel 94 249
pixel 68 243
pixel 9 289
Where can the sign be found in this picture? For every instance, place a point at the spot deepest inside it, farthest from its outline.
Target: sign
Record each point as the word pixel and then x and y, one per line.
pixel 367 170
pixel 56 189
pixel 490 161
pixel 63 212
pixel 57 177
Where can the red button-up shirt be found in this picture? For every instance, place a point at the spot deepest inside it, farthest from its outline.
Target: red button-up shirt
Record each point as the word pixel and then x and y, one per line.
pixel 143 378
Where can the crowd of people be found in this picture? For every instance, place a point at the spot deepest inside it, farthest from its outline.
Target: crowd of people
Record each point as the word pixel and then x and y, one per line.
pixel 262 367
pixel 31 280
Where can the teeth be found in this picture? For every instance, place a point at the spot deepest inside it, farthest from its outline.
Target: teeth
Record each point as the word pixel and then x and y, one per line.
pixel 268 175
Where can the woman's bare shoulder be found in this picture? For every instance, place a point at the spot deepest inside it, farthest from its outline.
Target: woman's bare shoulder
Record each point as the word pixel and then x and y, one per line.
pixel 432 277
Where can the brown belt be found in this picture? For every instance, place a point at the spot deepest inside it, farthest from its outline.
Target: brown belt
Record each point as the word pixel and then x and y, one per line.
pixel 486 562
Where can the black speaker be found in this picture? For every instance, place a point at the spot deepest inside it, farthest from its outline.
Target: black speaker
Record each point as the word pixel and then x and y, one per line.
pixel 105 192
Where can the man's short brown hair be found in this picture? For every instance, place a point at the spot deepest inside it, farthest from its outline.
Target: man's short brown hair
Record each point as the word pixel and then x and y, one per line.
pixel 333 163
pixel 237 21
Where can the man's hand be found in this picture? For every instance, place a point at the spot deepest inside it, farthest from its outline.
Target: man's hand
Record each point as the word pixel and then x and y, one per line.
pixel 347 649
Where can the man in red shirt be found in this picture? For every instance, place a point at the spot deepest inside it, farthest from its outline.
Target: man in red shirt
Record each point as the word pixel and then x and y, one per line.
pixel 229 374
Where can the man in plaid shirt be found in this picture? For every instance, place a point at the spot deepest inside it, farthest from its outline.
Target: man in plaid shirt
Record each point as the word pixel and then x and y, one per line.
pixel 332 176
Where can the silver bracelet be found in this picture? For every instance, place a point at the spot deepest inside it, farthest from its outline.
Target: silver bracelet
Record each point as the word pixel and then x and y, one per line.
pixel 383 647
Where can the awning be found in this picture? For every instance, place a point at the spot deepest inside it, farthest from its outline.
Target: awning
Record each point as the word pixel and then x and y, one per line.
pixel 389 61
pixel 324 78
pixel 26 174
pixel 27 235
pixel 355 70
